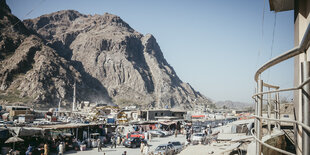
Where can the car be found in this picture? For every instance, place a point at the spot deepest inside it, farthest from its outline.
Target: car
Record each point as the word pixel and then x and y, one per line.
pixel 8 122
pixel 166 149
pixel 135 134
pixel 198 138
pixel 156 133
pixel 167 133
pixel 133 142
pixel 203 127
pixel 196 129
pixel 178 147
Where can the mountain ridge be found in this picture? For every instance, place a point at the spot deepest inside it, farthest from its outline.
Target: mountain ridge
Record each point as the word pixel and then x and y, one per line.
pixel 115 62
pixel 233 104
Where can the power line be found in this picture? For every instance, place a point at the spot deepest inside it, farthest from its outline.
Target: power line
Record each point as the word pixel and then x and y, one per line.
pixel 273 33
pixel 272 43
pixel 28 13
pixel 261 48
pixel 34 8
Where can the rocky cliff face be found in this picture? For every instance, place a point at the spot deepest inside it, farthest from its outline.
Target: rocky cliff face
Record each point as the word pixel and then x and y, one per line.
pixel 103 53
pixel 32 72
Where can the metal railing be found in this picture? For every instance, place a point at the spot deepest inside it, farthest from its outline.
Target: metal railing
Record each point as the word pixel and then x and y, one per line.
pixel 259 98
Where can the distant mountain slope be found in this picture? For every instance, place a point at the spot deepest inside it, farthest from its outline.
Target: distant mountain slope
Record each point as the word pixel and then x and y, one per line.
pixel 111 62
pixel 233 105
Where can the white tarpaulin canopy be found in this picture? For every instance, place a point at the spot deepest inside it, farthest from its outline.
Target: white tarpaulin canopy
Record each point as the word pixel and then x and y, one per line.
pixel 25 131
pixel 14 139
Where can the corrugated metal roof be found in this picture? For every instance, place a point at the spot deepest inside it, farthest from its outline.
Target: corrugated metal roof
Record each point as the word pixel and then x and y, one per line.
pixel 67 126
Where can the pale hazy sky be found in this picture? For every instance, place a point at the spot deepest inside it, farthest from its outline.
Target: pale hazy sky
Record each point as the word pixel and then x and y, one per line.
pixel 215 45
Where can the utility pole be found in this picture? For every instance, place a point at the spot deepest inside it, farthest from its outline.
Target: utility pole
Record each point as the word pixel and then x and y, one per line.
pixel 74 96
pixel 58 113
pixel 59 104
pixel 306 108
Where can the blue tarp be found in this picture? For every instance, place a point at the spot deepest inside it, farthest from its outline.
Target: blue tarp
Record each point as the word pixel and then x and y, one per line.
pixel 110 120
pixel 4 133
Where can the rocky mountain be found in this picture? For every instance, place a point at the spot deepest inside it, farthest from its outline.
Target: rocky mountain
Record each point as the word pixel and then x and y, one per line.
pixel 32 72
pixel 111 62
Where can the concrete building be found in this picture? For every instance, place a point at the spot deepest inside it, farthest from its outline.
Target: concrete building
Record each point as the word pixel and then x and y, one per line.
pixel 157 113
pixel 200 108
pixel 301 66
pixel 301 55
pixel 302 71
pixel 179 113
pixel 131 114
pixel 239 111
pixel 25 113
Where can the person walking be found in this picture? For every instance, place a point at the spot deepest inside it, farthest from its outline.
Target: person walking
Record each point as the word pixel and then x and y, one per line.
pixel 146 149
pixel 99 145
pixel 61 149
pixel 146 136
pixel 209 131
pixel 118 140
pixel 104 141
pixel 187 134
pixel 45 149
pixel 150 137
pixel 141 147
pixel 113 139
pixel 123 140
pixel 29 150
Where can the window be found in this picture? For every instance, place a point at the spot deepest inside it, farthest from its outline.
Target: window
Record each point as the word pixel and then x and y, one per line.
pixel 162 114
pixel 176 143
pixel 156 114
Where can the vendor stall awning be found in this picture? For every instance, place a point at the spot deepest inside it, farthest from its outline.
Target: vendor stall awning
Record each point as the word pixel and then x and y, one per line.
pixel 197 116
pixel 167 123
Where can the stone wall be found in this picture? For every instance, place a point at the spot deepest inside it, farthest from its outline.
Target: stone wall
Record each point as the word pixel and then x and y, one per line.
pixel 278 142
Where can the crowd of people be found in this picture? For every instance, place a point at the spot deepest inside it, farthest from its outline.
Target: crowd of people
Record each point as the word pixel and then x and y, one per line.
pixel 42 151
pixel 144 148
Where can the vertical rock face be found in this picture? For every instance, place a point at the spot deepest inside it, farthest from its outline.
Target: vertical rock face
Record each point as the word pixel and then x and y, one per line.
pixel 111 61
pixel 167 86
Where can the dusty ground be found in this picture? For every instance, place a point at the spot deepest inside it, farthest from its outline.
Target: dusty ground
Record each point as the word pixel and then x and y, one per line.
pixel 200 150
pixel 130 151
pixel 222 148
